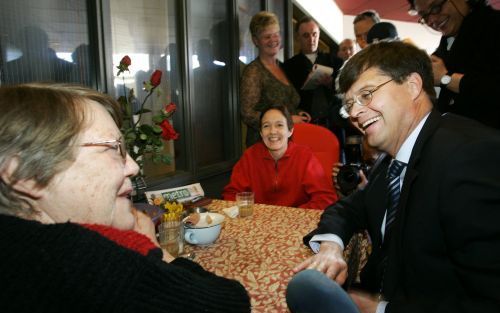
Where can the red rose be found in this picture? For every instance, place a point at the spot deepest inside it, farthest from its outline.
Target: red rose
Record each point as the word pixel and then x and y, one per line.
pixel 170 108
pixel 155 78
pixel 124 64
pixel 168 132
pixel 126 61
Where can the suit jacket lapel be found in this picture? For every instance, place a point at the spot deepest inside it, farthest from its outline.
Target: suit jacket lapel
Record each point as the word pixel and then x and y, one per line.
pixel 411 174
pixel 395 244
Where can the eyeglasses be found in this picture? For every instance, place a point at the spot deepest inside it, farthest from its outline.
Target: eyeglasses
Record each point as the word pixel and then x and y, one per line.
pixel 433 10
pixel 363 99
pixel 117 144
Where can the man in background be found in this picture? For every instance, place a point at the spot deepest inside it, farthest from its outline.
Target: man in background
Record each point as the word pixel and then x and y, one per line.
pixel 466 64
pixel 346 49
pixel 362 24
pixel 318 102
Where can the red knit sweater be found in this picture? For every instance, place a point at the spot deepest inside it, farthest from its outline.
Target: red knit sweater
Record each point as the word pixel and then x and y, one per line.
pixel 296 180
pixel 125 238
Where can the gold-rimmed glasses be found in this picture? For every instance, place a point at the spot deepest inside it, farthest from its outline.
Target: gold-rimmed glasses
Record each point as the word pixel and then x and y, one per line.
pixel 363 98
pixel 116 144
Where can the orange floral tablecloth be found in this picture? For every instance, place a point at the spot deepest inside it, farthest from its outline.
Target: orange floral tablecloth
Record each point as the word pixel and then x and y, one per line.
pixel 259 251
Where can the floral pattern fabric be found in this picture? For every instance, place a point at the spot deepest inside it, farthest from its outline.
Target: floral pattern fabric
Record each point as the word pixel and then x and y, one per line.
pixel 259 251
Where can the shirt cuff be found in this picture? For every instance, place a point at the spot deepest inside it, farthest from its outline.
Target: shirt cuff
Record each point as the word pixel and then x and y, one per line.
pixel 316 240
pixel 381 307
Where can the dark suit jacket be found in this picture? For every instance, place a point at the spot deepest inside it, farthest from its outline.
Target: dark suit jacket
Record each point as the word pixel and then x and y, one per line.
pixel 317 102
pixel 444 249
pixel 475 53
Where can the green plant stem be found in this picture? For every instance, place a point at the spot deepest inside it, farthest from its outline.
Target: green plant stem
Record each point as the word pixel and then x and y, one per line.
pixel 142 105
pixel 125 90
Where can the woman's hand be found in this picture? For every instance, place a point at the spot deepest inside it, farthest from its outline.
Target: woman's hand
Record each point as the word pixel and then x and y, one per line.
pixel 306 117
pixel 302 117
pixel 329 260
pixel 144 225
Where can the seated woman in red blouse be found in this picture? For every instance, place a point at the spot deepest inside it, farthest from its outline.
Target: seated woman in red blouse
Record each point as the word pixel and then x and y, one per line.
pixel 278 171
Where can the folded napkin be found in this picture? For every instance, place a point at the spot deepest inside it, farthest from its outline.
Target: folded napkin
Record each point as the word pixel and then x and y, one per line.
pixel 232 212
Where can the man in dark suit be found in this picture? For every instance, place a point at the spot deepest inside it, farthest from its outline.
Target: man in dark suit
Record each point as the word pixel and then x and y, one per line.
pixel 434 226
pixel 466 65
pixel 318 101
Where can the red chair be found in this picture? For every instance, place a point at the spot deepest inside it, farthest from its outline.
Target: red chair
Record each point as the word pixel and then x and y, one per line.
pixel 322 142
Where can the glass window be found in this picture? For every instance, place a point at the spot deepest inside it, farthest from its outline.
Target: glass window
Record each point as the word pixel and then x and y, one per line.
pixel 45 40
pixel 278 8
pixel 246 9
pixel 210 45
pixel 146 32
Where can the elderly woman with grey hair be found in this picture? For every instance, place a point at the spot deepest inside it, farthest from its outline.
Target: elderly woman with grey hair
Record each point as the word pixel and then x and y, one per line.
pixel 70 238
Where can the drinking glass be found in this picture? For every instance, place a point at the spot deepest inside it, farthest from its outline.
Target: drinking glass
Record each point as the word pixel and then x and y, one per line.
pixel 170 237
pixel 245 201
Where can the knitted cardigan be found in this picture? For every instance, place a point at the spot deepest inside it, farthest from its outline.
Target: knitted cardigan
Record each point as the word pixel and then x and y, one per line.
pixel 69 268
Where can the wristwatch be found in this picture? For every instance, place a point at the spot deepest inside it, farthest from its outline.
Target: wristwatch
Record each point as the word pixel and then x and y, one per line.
pixel 445 80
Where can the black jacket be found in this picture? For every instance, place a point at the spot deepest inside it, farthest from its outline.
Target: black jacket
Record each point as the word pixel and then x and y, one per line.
pixel 476 54
pixel 443 255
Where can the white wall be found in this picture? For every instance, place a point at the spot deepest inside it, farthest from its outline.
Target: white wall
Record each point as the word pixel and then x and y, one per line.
pixel 423 36
pixel 339 26
pixel 328 15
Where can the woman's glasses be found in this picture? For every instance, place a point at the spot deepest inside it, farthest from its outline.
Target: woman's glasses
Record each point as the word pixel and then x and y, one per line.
pixel 117 144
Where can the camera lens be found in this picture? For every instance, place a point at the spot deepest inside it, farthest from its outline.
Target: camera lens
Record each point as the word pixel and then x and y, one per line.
pixel 348 178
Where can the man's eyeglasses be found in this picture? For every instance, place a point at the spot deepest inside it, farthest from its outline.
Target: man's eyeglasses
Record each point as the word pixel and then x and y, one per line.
pixel 433 10
pixel 118 145
pixel 363 99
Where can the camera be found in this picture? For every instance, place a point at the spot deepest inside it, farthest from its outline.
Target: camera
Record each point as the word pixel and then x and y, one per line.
pixel 348 176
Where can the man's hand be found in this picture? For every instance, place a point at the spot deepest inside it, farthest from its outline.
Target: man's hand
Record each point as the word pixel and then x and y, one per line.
pixel 438 68
pixel 326 80
pixel 329 260
pixel 335 171
pixel 367 303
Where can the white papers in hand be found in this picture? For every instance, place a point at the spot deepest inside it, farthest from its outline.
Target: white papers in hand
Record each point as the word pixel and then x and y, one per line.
pixel 316 75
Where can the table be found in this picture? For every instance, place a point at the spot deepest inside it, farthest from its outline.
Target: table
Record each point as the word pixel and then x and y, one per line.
pixel 260 251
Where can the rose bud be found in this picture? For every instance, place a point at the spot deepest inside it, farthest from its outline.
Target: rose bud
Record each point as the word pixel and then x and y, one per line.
pixel 155 78
pixel 126 61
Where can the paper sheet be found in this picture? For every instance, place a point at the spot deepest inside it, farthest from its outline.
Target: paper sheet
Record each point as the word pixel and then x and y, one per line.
pixel 317 73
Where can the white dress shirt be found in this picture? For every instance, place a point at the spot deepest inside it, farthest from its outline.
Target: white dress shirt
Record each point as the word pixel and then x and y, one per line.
pixel 402 155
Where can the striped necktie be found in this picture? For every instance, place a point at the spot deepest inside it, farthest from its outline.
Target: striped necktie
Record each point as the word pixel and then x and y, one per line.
pixel 393 176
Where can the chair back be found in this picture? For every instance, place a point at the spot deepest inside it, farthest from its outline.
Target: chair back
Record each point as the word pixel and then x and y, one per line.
pixel 322 142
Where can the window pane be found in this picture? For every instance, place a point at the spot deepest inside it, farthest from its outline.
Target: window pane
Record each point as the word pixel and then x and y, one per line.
pixel 210 46
pixel 145 31
pixel 45 40
pixel 278 8
pixel 247 9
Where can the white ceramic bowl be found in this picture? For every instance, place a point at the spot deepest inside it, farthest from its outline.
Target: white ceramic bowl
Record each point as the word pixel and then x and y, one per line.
pixel 204 233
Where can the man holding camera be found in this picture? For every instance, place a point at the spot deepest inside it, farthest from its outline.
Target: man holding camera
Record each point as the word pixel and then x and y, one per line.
pixel 431 207
pixel 360 158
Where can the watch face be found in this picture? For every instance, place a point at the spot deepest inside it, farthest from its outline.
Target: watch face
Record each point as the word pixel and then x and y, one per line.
pixel 445 80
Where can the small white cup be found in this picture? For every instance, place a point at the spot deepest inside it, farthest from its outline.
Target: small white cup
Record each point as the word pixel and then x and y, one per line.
pixel 202 236
pixel 204 233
